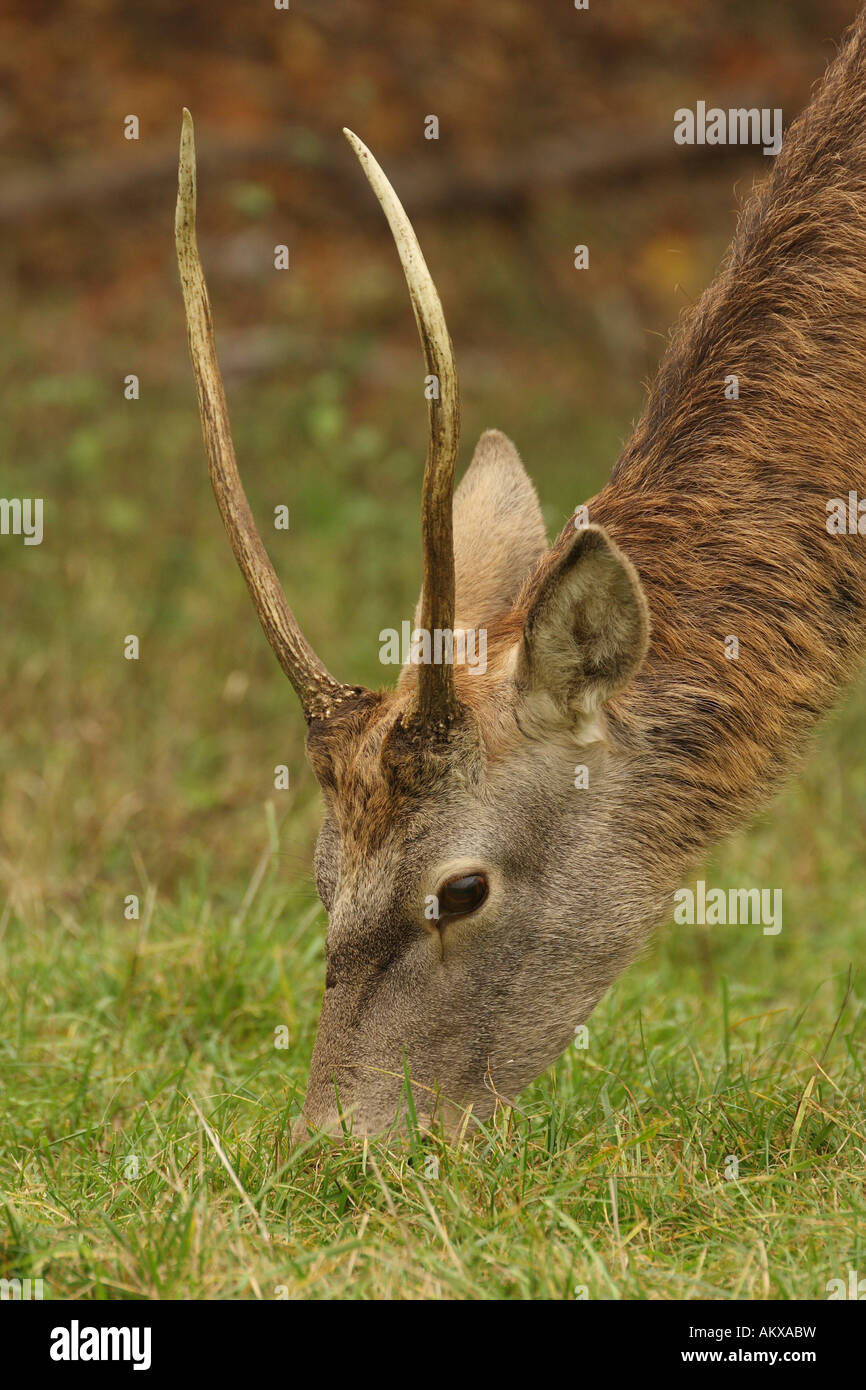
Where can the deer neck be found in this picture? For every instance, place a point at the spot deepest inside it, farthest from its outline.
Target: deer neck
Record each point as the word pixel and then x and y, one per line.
pixel 741 497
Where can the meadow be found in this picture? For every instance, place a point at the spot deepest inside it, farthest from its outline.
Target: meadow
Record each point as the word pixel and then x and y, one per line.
pixel 147 1093
pixel 161 942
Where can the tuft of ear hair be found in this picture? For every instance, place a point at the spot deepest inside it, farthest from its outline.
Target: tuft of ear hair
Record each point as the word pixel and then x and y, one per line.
pixel 585 635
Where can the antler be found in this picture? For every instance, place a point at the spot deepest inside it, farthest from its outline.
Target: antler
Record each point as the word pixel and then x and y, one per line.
pixel 317 689
pixel 437 702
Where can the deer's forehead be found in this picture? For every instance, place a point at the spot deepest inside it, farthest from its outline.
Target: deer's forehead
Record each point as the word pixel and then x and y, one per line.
pixel 371 820
pixel 380 823
pixel 421 807
pixel 379 788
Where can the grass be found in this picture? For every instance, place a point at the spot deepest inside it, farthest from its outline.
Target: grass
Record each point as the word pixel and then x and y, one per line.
pixel 146 1104
pixel 148 1107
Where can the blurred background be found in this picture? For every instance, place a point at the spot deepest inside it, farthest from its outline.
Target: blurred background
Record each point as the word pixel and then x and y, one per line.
pixel 555 128
pixel 155 777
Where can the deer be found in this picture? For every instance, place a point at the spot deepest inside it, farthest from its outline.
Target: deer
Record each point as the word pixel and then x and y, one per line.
pixel 605 650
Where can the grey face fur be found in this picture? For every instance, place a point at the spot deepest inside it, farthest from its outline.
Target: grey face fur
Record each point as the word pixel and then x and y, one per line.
pixel 481 1005
pixel 475 1007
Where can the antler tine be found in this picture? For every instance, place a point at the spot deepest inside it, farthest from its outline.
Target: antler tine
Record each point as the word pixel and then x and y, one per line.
pixel 437 702
pixel 317 689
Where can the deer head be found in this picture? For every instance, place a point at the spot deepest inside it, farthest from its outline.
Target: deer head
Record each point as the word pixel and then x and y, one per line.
pixel 481 897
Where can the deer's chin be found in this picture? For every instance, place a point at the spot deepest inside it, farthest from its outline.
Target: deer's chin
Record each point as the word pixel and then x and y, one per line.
pixel 337 1129
pixel 450 1120
pixel 385 1121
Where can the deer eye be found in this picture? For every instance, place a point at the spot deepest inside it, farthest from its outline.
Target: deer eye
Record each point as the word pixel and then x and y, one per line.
pixel 460 896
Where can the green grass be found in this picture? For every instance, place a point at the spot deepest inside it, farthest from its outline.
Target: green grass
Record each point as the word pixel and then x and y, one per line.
pixel 612 1178
pixel 154 1040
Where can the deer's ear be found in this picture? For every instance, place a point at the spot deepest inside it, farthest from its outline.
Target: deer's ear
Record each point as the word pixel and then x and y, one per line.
pixel 498 532
pixel 585 635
